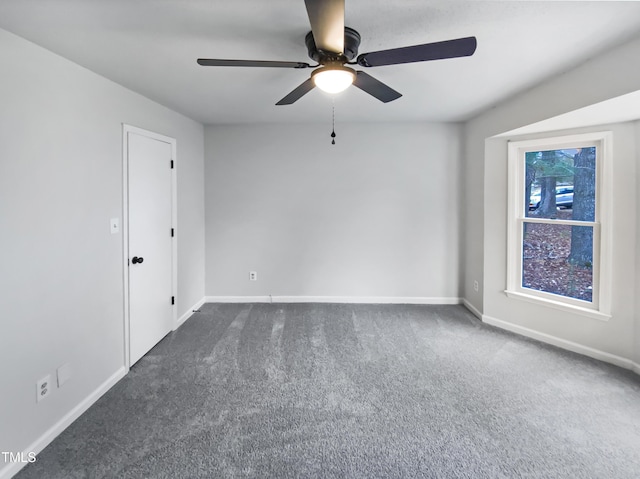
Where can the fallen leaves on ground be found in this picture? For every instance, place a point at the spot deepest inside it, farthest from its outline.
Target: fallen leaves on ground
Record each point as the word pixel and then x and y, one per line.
pixel 546 249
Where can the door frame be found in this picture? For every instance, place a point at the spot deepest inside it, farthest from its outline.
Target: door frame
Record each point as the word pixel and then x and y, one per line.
pixel 126 129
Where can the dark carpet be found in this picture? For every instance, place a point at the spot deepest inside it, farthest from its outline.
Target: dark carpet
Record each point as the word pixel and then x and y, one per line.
pixel 354 391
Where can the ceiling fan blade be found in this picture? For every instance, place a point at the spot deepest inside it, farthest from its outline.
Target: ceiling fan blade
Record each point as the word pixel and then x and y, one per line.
pixel 212 62
pixel 298 93
pixel 375 88
pixel 461 47
pixel 327 24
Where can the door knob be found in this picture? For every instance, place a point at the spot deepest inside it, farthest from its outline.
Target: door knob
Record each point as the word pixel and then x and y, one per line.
pixel 136 260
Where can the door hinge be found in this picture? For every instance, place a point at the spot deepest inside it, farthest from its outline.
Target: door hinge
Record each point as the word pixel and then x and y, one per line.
pixel 173 300
pixel 172 164
pixel 172 233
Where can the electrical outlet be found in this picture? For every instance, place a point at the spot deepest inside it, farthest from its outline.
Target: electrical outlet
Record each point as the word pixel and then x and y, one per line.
pixel 43 387
pixel 475 286
pixel 253 276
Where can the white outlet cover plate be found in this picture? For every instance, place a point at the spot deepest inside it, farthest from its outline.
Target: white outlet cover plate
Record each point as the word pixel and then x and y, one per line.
pixel 43 387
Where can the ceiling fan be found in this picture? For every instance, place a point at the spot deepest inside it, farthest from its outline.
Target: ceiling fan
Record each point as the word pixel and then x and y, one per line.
pixel 333 46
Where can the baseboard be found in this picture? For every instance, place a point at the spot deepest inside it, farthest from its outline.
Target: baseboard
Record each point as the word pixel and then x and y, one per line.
pixel 472 308
pixel 334 299
pixel 563 343
pixel 43 441
pixel 189 313
pixel 238 299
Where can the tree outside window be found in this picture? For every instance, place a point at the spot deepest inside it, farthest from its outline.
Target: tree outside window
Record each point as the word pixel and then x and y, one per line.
pixel 558 257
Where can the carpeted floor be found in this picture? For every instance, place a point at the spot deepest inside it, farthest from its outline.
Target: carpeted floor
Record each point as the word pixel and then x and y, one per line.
pixel 354 391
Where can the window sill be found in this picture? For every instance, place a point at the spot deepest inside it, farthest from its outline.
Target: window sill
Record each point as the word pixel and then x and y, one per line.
pixel 589 313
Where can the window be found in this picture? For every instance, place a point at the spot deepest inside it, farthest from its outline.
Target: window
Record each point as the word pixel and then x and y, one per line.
pixel 558 231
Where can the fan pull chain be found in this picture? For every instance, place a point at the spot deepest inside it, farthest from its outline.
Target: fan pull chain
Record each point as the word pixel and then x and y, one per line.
pixel 333 123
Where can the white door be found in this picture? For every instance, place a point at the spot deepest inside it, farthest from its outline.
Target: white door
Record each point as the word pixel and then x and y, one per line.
pixel 150 242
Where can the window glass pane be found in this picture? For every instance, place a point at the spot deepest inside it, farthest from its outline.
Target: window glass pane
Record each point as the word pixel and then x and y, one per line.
pixel 561 184
pixel 558 259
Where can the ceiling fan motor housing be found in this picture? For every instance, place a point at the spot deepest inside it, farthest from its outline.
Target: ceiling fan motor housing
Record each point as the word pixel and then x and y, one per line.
pixel 351 44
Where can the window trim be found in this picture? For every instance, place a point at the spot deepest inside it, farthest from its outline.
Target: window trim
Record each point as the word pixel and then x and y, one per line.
pixel 600 307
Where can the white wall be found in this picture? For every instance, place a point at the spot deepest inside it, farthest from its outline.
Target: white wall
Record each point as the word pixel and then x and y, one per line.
pixel 472 219
pixel 61 277
pixel 376 215
pixel 592 82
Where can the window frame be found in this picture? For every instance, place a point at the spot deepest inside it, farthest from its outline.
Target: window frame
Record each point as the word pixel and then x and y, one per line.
pixel 600 306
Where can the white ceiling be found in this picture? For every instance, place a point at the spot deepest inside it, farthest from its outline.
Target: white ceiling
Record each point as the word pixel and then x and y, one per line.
pixel 151 47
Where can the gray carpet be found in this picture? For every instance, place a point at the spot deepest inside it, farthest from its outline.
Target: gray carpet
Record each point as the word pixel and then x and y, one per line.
pixel 354 391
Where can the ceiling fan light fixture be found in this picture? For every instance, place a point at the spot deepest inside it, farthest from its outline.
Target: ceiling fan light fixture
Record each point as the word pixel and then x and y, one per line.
pixel 334 78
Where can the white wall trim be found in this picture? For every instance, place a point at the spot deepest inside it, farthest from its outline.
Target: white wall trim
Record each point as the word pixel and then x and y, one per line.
pixel 563 343
pixel 334 299
pixel 532 297
pixel 238 299
pixel 472 308
pixel 188 313
pixel 125 243
pixel 10 469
